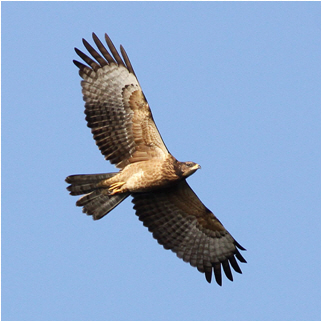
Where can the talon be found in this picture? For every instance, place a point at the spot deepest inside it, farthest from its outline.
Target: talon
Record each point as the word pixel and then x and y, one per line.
pixel 115 188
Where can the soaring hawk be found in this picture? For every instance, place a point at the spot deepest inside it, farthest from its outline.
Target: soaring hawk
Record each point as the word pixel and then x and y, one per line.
pixel 124 130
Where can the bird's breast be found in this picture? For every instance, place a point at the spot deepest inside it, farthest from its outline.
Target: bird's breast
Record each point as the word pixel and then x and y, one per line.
pixel 148 175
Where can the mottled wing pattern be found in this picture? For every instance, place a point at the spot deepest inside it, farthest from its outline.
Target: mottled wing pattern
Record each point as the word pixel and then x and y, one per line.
pixel 115 107
pixel 180 222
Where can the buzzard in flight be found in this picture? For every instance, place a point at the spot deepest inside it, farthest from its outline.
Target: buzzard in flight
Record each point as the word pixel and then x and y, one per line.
pixel 124 130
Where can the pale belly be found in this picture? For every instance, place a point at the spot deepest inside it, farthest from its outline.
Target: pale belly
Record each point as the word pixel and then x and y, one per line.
pixel 140 178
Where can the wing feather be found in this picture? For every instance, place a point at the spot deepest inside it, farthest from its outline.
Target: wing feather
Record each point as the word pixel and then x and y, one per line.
pixel 114 51
pixel 116 109
pixel 87 60
pixel 95 54
pixel 180 222
pixel 127 60
pixel 103 50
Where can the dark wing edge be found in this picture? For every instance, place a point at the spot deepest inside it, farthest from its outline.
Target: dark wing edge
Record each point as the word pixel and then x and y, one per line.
pixel 180 222
pixel 100 60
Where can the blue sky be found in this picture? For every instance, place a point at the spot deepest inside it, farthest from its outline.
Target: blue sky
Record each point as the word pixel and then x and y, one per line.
pixel 234 86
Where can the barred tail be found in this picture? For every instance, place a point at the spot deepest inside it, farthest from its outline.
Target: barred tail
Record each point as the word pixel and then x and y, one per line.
pixel 96 202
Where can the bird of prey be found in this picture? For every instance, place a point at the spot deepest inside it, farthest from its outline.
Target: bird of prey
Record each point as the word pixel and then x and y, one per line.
pixel 124 130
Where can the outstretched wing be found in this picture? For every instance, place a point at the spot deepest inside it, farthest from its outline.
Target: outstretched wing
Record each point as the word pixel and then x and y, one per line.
pixel 116 109
pixel 180 222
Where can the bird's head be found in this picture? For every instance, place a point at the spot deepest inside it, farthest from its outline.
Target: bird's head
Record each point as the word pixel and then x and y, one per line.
pixel 188 168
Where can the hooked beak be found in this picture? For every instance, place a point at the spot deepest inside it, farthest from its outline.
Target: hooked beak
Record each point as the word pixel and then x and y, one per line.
pixel 196 167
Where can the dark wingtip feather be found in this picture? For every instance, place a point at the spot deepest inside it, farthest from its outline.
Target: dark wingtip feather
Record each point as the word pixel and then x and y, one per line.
pixel 103 50
pixel 114 51
pixel 78 64
pixel 87 59
pixel 208 275
pixel 127 60
pixel 239 256
pixel 234 264
pixel 78 52
pixel 84 42
pixel 227 270
pixel 217 271
pixel 95 54
pixel 239 246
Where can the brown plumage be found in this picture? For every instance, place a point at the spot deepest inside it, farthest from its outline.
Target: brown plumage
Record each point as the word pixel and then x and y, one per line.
pixel 124 130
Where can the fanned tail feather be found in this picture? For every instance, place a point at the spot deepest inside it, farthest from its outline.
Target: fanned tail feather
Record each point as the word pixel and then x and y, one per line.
pixel 97 201
pixel 85 183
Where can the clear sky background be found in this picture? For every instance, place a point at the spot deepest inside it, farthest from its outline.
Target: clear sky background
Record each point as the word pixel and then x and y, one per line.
pixel 234 86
